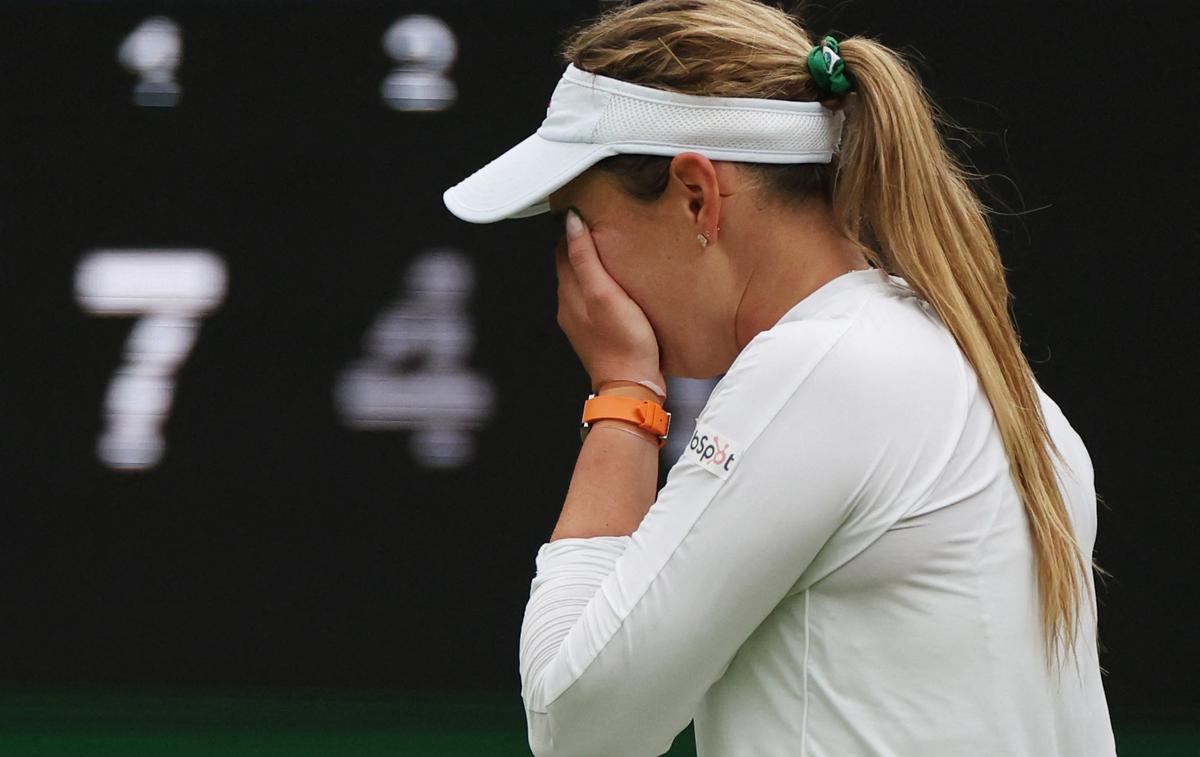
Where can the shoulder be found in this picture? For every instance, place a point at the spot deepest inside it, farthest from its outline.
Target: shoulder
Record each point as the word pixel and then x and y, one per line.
pixel 887 364
pixel 767 373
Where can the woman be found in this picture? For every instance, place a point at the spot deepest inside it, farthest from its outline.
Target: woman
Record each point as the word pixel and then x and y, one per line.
pixel 876 541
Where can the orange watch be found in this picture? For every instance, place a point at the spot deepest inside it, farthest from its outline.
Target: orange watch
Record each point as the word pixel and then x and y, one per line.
pixel 643 413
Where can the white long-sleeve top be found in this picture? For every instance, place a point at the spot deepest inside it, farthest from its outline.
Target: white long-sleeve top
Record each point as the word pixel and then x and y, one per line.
pixel 838 565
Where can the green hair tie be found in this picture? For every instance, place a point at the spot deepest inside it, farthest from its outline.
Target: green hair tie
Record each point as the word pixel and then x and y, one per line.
pixel 827 68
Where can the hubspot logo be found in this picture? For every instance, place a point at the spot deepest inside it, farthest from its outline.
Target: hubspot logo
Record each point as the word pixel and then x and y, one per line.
pixel 712 451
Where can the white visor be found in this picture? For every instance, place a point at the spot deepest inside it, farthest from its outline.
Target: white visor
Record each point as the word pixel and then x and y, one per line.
pixel 592 117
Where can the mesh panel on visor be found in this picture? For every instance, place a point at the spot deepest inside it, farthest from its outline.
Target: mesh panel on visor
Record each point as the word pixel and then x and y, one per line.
pixel 628 120
pixel 590 117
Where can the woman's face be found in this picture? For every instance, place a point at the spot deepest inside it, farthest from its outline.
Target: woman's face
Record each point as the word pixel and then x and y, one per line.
pixel 651 250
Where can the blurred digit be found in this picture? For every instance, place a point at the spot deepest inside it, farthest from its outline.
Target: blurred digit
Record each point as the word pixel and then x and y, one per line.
pixel 414 374
pixel 170 289
pixel 152 51
pixel 424 48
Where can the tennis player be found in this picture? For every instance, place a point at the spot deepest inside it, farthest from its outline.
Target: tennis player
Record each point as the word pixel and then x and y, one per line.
pixel 877 540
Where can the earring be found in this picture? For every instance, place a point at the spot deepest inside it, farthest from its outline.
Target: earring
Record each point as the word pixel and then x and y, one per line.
pixel 702 237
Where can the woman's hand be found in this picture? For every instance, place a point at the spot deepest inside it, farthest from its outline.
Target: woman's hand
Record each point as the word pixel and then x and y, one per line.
pixel 606 328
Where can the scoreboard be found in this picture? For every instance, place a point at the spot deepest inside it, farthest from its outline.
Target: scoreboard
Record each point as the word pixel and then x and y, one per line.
pixel 269 408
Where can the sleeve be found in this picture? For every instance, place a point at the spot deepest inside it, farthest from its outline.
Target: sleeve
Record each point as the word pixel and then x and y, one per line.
pixel 622 636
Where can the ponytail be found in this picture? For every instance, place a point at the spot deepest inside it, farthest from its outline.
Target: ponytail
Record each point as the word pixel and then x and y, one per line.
pixel 898 189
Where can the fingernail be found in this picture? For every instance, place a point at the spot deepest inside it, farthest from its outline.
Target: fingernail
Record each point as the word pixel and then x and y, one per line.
pixel 574 224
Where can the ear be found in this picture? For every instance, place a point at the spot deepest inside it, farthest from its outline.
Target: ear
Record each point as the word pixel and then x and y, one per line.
pixel 695 184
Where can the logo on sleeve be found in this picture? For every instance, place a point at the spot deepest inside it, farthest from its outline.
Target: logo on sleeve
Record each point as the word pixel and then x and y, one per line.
pixel 713 451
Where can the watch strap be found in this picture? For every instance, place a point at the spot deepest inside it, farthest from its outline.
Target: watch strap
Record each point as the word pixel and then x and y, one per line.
pixel 642 413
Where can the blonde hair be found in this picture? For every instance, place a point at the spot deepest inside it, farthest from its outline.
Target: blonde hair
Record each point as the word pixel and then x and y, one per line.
pixel 894 188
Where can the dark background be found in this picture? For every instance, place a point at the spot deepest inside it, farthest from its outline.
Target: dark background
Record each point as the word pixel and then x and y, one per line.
pixel 275 544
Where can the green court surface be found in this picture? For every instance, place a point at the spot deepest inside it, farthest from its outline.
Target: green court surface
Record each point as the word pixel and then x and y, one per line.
pixel 100 719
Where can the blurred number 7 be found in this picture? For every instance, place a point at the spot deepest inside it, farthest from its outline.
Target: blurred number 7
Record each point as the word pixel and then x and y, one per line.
pixel 169 291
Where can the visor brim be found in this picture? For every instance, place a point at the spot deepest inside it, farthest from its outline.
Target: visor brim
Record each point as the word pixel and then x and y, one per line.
pixel 518 183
